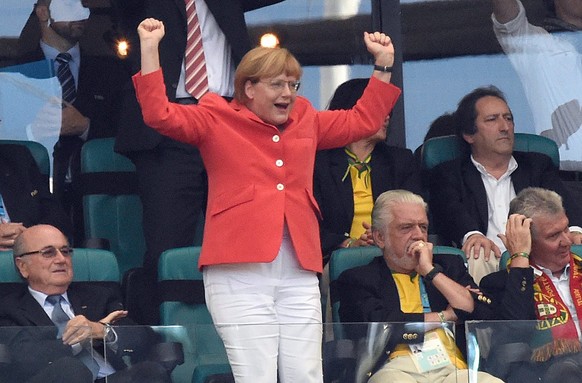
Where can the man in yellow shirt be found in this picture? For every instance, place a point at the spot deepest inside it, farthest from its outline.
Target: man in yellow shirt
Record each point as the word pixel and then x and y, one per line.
pixel 410 284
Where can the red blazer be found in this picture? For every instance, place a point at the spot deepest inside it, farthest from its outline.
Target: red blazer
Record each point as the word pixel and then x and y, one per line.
pixel 258 176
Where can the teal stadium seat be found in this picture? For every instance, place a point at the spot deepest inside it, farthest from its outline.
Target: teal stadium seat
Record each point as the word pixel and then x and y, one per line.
pixel 111 206
pixel 442 149
pixel 89 265
pixel 183 306
pixel 576 249
pixel 39 153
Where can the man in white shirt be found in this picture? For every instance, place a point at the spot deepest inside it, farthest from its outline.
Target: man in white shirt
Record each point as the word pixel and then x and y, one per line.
pixel 543 282
pixel 470 195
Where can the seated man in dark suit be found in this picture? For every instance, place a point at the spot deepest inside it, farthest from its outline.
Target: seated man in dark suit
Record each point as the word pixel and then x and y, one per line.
pixel 470 195
pixel 25 199
pixel 410 284
pixel 544 282
pixel 72 314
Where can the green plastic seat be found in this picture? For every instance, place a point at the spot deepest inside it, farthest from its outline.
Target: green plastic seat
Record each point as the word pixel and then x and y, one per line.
pixel 442 149
pixel 39 153
pixel 111 206
pixel 183 305
pixel 89 265
pixel 576 249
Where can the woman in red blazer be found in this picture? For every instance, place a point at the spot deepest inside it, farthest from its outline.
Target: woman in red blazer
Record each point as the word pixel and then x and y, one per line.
pixel 261 253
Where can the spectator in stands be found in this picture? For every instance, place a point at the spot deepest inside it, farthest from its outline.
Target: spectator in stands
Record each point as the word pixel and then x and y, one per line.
pixel 261 251
pixel 550 68
pixel 91 94
pixel 411 284
pixel 172 181
pixel 544 282
pixel 69 316
pixel 25 199
pixel 470 195
pixel 348 180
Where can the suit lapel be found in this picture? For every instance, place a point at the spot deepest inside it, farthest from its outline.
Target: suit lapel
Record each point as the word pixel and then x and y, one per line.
pixel 475 185
pixel 34 312
pixel 381 173
pixel 338 165
pixel 521 176
pixel 181 4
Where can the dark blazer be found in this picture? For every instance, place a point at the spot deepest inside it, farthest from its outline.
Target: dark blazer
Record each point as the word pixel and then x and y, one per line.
pixel 99 91
pixel 26 191
pixel 229 14
pixel 458 200
pixel 392 168
pixel 369 294
pixel 34 349
pixel 511 293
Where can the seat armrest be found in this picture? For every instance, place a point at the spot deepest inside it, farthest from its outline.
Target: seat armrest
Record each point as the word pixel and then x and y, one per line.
pixel 168 354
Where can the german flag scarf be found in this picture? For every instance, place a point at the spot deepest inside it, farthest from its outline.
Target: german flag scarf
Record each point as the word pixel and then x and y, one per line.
pixel 556 332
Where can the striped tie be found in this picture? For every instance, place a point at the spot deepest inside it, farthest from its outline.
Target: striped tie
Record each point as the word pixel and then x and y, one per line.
pixel 66 77
pixel 196 76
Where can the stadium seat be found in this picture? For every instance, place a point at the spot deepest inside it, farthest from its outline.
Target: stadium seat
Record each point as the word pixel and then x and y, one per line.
pixel 183 306
pixel 111 206
pixel 442 149
pixel 576 249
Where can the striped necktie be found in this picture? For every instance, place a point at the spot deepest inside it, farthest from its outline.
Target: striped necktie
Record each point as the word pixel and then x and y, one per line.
pixel 65 77
pixel 196 80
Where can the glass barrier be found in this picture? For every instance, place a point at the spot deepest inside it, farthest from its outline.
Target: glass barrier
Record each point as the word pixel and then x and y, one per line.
pixel 486 351
pixel 195 353
pixel 523 351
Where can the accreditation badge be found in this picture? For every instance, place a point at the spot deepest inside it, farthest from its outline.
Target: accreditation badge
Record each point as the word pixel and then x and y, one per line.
pixel 430 355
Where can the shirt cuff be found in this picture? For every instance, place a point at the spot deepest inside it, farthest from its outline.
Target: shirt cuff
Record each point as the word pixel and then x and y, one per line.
pixel 470 233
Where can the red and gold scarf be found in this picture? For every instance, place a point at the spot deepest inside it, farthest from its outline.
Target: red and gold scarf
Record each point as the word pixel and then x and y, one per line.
pixel 556 332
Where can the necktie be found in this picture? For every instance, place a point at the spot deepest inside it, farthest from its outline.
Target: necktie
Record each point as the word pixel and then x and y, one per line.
pixel 60 319
pixel 363 167
pixel 196 80
pixel 65 77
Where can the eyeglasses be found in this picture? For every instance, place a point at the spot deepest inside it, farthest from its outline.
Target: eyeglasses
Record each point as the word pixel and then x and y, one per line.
pixel 279 85
pixel 51 252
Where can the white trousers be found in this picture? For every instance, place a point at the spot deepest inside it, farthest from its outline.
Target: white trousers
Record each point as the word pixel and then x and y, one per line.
pixel 269 318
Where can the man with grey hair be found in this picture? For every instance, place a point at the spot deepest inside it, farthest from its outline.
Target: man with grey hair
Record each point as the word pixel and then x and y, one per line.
pixel 411 284
pixel 543 281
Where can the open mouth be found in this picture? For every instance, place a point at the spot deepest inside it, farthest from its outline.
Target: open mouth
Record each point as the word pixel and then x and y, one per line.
pixel 281 106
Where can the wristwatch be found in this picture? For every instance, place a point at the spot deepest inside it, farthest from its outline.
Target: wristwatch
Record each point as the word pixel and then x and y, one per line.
pixel 431 274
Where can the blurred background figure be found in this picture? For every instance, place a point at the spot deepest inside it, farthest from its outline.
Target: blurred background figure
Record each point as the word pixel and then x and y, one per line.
pixel 90 95
pixel 348 180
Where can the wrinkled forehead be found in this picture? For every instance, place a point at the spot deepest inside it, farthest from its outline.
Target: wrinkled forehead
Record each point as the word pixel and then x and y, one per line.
pixel 68 10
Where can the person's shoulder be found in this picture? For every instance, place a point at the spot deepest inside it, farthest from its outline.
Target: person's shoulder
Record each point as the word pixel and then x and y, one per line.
pixel 364 273
pixel 17 154
pixel 393 151
pixel 530 157
pixel 449 259
pixel 90 290
pixel 14 297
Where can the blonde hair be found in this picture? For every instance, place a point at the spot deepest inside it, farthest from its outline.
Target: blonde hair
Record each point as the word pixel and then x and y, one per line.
pixel 264 62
